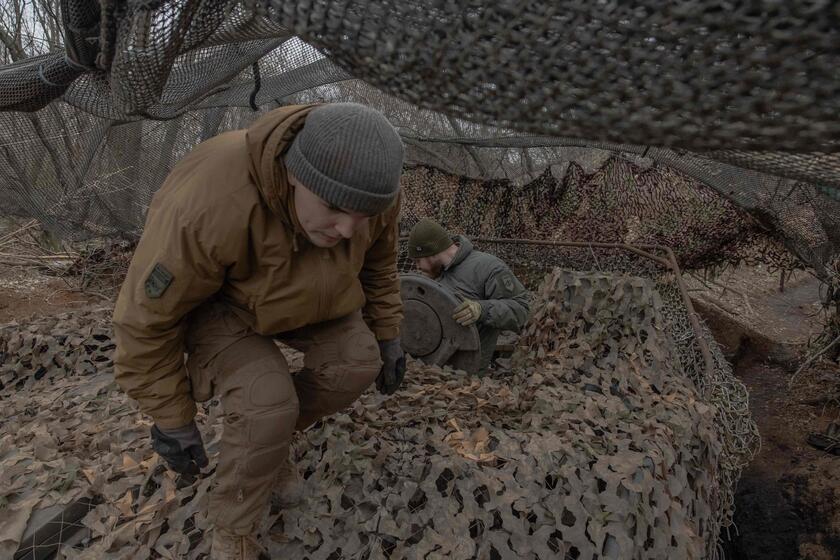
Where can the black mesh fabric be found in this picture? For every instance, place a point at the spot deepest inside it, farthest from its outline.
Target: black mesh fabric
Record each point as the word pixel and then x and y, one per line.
pixel 709 127
pixel 742 98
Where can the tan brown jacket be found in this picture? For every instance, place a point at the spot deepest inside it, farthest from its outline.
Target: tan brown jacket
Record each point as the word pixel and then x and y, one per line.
pixel 210 232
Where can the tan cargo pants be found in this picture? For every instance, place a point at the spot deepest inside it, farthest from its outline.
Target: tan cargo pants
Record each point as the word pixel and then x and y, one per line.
pixel 263 403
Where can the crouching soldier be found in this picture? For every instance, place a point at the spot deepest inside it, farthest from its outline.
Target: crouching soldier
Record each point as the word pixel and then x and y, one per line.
pixel 287 230
pixel 493 298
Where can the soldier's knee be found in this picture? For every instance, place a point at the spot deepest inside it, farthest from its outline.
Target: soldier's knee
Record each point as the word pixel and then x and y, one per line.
pixel 272 407
pixel 363 376
pixel 267 414
pixel 363 362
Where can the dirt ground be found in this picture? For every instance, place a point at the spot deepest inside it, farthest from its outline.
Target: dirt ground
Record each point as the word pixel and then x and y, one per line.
pixel 27 291
pixel 786 504
pixel 746 305
pixel 24 293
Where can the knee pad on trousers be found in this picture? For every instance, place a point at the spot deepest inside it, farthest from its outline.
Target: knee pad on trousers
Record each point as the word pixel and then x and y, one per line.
pixel 362 361
pixel 358 378
pixel 266 416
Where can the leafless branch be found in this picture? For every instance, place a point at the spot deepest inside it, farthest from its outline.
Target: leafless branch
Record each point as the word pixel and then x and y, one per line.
pixel 813 357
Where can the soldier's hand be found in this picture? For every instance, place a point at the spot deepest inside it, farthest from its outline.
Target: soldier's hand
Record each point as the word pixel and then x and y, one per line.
pixel 181 448
pixel 467 313
pixel 393 366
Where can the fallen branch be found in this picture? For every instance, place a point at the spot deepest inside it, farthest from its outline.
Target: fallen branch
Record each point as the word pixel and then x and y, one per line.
pixel 811 359
pixel 21 230
pixel 47 257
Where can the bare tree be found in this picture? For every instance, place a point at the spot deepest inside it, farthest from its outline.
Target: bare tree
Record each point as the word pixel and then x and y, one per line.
pixel 29 28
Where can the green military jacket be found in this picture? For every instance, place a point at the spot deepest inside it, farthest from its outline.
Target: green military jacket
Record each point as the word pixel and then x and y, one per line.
pixel 485 278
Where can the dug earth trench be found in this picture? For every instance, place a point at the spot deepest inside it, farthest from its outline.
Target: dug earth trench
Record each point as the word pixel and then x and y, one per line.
pixel 786 502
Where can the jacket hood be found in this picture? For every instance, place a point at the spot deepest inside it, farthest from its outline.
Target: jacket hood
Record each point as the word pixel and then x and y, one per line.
pixel 268 138
pixel 465 247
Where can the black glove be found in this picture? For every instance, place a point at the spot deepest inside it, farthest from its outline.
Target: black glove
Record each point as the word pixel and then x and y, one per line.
pixel 181 448
pixel 393 366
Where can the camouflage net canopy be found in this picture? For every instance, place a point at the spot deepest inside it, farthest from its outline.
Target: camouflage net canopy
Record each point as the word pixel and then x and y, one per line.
pixel 702 75
pixel 706 126
pixel 84 176
pixel 522 96
pixel 612 438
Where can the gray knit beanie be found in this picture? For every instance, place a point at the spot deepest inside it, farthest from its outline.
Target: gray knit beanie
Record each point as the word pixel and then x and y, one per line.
pixel 350 156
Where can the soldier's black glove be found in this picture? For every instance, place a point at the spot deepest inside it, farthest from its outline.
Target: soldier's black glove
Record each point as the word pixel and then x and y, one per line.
pixel 181 448
pixel 393 366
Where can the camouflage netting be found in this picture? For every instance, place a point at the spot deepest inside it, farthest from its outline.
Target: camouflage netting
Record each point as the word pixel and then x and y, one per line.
pixel 83 176
pixel 706 126
pixel 615 200
pixel 612 438
pixel 752 85
pixel 699 75
pixel 700 357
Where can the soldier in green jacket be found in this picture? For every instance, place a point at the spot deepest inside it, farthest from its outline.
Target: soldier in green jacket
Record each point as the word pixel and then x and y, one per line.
pixel 493 298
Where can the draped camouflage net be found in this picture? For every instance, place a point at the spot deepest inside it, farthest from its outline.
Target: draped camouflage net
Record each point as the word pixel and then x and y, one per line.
pixel 621 201
pixel 485 90
pixel 83 176
pixel 538 264
pixel 709 127
pixel 609 439
pixel 700 75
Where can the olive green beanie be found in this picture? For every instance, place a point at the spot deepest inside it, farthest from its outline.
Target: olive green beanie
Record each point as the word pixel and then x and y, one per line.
pixel 427 238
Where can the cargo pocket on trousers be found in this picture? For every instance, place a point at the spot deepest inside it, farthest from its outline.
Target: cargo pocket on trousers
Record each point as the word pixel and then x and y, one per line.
pixel 201 380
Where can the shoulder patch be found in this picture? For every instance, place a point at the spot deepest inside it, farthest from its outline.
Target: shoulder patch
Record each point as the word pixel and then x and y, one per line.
pixel 507 280
pixel 506 283
pixel 158 281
